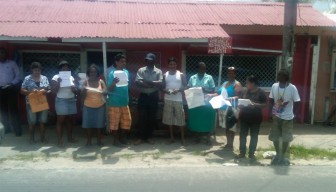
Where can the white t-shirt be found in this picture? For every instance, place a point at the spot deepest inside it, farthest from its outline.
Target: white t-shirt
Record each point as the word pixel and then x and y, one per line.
pixel 283 100
pixel 173 82
pixel 65 92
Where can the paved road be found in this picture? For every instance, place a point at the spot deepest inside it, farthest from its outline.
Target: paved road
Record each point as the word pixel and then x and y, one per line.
pixel 226 178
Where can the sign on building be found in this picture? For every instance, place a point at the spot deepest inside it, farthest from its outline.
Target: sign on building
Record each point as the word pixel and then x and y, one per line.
pixel 219 45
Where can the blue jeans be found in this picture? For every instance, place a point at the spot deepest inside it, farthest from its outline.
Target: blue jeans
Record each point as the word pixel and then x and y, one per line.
pixel 245 127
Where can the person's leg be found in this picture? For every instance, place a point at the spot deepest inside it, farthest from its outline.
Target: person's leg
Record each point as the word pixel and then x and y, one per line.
pixel 142 118
pixel 32 118
pixel 115 115
pixel 230 139
pixel 69 122
pixel 14 115
pixel 59 129
pixel 179 117
pixel 42 117
pixel 4 110
pixel 254 132
pixel 182 135
pixel 88 136
pixel 244 127
pixel 125 124
pixel 99 137
pixel 152 105
pixel 274 136
pixel 287 137
pixel 167 119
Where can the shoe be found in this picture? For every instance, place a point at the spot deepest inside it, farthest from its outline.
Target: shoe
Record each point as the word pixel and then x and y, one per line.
pixel 18 134
pixel 275 161
pixel 228 148
pixel 252 157
pixel 284 162
pixel 240 156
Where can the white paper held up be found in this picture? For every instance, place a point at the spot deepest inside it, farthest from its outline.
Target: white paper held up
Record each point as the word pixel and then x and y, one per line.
pixel 244 102
pixel 123 78
pixel 66 79
pixel 194 97
pixel 219 101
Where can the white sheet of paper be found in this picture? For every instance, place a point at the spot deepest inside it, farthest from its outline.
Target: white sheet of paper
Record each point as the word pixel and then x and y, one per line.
pixel 219 101
pixel 66 80
pixel 82 77
pixel 244 102
pixel 123 78
pixel 194 97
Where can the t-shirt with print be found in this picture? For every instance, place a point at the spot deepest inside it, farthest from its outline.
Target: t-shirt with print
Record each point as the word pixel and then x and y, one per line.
pixel 65 92
pixel 119 96
pixel 283 100
pixel 29 84
pixel 253 114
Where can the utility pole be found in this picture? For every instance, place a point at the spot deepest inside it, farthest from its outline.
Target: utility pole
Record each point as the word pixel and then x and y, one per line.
pixel 288 44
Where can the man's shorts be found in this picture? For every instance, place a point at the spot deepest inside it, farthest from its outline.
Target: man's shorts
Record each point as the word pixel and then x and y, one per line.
pixel 120 116
pixel 173 113
pixel 281 128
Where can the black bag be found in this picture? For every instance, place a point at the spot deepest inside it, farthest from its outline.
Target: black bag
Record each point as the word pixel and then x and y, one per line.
pixel 231 119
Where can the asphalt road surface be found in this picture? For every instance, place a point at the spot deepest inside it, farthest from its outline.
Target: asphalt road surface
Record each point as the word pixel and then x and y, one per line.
pixel 194 179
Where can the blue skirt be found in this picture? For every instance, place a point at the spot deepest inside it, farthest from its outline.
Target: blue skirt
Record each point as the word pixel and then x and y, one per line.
pixel 94 117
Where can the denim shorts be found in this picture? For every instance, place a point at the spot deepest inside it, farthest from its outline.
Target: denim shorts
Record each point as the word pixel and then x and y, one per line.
pixel 33 118
pixel 65 106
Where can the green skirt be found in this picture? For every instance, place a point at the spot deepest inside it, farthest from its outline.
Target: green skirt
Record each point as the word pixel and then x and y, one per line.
pixel 201 119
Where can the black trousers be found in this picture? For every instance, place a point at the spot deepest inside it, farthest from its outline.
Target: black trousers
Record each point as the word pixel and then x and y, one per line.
pixel 253 128
pixel 9 111
pixel 147 111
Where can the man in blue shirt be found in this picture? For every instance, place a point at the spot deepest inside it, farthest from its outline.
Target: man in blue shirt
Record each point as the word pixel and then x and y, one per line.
pixel 118 98
pixel 9 90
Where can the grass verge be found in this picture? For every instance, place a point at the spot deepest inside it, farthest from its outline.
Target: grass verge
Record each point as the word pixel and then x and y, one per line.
pixel 302 152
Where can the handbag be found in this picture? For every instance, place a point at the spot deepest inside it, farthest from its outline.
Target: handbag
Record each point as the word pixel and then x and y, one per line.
pixel 38 102
pixel 232 115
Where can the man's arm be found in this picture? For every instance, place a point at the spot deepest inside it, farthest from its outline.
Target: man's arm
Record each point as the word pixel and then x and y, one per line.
pixel 139 80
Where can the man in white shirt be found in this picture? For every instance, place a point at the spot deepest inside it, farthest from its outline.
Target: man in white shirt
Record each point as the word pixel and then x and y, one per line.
pixel 174 83
pixel 283 100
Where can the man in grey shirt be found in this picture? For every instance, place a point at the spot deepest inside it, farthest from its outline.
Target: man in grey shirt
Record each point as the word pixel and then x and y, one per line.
pixel 149 80
pixel 9 90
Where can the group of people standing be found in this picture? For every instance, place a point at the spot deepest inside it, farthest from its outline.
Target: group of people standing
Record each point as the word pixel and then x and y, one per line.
pixel 109 100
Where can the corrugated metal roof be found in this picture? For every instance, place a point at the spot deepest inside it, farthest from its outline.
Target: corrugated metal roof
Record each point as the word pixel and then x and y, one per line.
pixel 60 18
pixel 99 30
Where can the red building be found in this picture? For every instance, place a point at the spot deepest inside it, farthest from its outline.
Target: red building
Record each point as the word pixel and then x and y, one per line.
pixel 85 32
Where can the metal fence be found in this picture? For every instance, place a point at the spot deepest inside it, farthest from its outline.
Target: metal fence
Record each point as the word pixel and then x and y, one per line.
pixel 264 67
pixel 49 62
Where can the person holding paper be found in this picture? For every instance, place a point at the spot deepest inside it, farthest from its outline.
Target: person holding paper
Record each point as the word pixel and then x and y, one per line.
pixel 251 116
pixel 65 103
pixel 32 84
pixel 283 101
pixel 233 89
pixel 118 98
pixel 202 119
pixel 9 83
pixel 174 83
pixel 149 80
pixel 94 105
